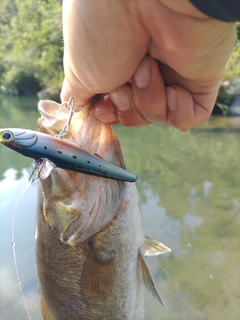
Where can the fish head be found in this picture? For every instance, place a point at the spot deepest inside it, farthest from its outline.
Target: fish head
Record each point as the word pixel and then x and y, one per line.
pixel 18 139
pixel 77 206
pixel 86 131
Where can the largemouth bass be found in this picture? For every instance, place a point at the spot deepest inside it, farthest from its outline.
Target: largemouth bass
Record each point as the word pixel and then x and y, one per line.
pixel 90 241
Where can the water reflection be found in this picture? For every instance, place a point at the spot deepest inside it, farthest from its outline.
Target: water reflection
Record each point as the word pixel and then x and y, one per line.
pixel 11 303
pixel 189 193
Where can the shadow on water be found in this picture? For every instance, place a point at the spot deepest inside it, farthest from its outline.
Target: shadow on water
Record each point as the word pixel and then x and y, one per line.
pixel 189 193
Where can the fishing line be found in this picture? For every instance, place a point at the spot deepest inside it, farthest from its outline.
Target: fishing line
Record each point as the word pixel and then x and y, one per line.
pixel 42 169
pixel 21 195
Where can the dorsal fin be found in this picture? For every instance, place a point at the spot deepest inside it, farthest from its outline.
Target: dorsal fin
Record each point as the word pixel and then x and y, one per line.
pixel 153 247
pixel 147 278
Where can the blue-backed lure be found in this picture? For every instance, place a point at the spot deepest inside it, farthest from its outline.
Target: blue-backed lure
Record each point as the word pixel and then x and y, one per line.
pixel 63 154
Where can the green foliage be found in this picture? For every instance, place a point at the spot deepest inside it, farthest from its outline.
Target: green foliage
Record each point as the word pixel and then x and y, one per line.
pixel 31 47
pixel 231 81
pixel 233 65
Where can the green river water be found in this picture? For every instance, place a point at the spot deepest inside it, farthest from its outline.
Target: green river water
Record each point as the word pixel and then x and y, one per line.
pixel 189 188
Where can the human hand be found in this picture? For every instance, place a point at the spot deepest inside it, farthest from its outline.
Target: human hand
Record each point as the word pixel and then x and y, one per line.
pixel 173 54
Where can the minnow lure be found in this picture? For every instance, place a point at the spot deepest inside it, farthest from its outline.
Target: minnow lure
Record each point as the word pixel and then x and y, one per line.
pixel 37 145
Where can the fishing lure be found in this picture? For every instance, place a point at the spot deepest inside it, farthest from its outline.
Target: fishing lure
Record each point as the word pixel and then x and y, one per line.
pixel 37 145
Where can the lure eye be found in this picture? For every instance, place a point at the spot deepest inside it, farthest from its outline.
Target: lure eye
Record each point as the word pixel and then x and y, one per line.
pixel 7 135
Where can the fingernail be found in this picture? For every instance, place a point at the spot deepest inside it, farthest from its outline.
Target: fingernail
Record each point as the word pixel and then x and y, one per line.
pixel 120 99
pixel 171 96
pixel 142 75
pixel 107 117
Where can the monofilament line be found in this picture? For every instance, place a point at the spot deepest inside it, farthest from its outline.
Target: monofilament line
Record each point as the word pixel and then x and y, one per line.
pixel 14 249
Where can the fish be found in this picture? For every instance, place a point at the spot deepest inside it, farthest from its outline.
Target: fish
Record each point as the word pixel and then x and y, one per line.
pixel 90 243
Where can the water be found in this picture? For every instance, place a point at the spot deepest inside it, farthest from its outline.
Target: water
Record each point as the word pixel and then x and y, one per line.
pixel 189 191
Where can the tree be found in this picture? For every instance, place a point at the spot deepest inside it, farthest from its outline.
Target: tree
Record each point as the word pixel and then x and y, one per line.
pixel 31 47
pixel 230 85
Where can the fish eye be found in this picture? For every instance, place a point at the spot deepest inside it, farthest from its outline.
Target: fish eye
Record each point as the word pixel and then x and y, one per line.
pixel 7 135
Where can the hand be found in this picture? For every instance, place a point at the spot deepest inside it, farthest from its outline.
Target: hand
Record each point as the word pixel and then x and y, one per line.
pixel 156 61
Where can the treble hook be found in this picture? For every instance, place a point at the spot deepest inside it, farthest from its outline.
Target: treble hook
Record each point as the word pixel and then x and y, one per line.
pixel 42 169
pixel 36 170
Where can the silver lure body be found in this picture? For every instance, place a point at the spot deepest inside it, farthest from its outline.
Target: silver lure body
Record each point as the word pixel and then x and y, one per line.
pixel 63 154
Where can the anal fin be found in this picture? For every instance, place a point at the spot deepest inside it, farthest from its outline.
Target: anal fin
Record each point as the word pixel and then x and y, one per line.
pixel 148 279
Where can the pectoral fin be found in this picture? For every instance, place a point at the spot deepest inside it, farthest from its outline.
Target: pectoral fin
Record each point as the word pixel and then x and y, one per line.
pixel 153 247
pixel 148 278
pixel 59 216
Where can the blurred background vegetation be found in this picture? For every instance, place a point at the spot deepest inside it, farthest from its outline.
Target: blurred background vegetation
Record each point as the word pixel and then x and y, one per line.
pixel 31 51
pixel 31 47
